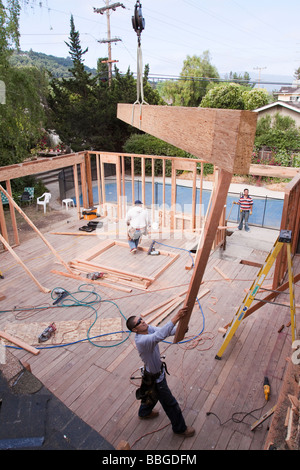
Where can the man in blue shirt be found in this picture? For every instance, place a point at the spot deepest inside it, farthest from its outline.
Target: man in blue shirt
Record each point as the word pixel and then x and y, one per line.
pixel 154 386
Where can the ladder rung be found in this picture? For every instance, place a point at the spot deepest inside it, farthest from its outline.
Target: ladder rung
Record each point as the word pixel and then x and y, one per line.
pixel 270 302
pixel 277 291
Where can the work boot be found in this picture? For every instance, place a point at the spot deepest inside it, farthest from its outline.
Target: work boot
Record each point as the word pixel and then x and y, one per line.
pixel 152 415
pixel 189 432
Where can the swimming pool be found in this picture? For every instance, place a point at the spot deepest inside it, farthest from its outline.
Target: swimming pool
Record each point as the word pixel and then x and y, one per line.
pixel 267 211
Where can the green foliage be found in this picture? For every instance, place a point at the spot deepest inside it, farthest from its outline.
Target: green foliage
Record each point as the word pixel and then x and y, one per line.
pixel 226 96
pixel 278 132
pixel 254 98
pixel 234 96
pixel 22 116
pixel 146 144
pixel 190 89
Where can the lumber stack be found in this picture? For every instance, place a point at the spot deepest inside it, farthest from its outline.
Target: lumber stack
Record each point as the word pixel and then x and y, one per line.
pixel 111 274
pixel 157 314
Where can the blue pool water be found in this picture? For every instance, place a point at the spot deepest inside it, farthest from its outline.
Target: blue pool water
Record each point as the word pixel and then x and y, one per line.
pixel 266 211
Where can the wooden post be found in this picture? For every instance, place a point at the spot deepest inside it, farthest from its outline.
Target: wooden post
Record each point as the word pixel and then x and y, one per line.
pixel 76 190
pixel 19 261
pixel 13 215
pixel 35 229
pixel 88 172
pixel 204 250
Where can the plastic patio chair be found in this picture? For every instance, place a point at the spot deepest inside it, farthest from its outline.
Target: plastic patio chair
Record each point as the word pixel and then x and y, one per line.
pixel 30 190
pixel 43 201
pixel 4 199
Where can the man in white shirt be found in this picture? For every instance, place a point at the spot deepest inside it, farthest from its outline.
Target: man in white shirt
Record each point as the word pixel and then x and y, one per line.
pixel 154 386
pixel 138 222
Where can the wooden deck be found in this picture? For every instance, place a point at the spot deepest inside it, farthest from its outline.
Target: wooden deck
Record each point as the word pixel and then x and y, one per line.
pixel 93 377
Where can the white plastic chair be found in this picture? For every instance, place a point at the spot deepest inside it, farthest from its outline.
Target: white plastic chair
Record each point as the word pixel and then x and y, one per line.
pixel 43 201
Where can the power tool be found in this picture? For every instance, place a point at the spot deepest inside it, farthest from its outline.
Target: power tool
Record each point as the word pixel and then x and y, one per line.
pixel 61 293
pixel 94 276
pixel 151 250
pixel 267 388
pixel 47 333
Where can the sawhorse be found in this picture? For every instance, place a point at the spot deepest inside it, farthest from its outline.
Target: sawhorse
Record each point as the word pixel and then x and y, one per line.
pixel 284 238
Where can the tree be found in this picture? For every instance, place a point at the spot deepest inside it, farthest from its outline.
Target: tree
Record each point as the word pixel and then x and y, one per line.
pixel 9 29
pixel 195 76
pixel 234 96
pixel 225 95
pixel 82 79
pixel 278 132
pixel 22 114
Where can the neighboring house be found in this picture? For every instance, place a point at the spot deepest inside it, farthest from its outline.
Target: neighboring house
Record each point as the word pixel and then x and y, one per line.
pixel 289 93
pixel 284 108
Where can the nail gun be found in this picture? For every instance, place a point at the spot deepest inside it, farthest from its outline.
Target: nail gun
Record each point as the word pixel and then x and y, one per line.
pixel 151 250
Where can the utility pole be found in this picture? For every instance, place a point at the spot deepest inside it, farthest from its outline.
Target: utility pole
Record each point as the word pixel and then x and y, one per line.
pixel 259 69
pixel 109 40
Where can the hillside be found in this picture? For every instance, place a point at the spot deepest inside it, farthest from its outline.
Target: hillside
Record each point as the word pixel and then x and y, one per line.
pixel 58 66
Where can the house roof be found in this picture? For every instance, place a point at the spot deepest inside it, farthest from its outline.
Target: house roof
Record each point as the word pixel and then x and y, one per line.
pixel 293 106
pixel 295 89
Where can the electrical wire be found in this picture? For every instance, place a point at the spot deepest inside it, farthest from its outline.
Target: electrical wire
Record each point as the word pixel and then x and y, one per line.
pixel 90 300
pixel 236 420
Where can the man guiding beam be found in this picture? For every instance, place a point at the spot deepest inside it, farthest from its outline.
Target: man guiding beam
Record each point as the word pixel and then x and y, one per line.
pixel 154 385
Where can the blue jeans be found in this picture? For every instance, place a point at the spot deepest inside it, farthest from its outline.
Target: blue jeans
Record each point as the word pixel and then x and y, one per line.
pixel 133 243
pixel 244 215
pixel 170 406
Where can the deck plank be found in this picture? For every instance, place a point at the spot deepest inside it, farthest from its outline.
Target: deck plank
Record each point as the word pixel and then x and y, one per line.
pixel 95 381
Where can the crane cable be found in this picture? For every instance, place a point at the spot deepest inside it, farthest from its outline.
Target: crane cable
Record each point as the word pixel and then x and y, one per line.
pixel 138 23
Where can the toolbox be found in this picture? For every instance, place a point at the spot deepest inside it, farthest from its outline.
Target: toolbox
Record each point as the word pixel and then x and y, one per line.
pixel 89 215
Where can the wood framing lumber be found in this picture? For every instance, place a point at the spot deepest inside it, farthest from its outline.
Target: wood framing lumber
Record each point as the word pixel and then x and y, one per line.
pixel 19 343
pixel 223 137
pixel 162 304
pixel 222 274
pixel 204 249
pixel 156 321
pixel 271 296
pixel 20 262
pixel 105 268
pixel 35 228
pixel 39 166
pixel 85 279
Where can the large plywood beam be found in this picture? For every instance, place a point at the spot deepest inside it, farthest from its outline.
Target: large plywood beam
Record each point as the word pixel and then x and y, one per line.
pixel 223 137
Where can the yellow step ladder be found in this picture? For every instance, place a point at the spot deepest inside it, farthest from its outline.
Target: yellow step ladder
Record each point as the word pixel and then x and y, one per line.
pixel 284 238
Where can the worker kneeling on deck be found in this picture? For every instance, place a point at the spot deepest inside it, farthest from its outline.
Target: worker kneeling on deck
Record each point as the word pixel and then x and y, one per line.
pixel 154 385
pixel 137 220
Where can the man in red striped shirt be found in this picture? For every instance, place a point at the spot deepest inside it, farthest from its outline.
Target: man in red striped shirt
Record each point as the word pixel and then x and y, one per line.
pixel 246 204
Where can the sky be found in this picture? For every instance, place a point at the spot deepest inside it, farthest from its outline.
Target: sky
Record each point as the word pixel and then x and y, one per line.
pixel 260 37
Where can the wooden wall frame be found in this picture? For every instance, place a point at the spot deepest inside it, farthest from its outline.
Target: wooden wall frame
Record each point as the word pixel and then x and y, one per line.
pixel 87 263
pixel 290 220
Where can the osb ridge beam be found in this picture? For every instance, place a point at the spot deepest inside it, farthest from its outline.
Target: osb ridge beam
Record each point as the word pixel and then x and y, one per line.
pixel 224 137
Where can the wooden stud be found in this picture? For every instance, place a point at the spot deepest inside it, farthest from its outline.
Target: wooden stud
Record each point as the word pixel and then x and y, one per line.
pixel 19 343
pixel 19 261
pixel 35 228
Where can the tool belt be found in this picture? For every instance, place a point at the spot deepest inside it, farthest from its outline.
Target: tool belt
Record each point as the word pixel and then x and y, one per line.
pixel 148 391
pixel 135 233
